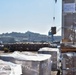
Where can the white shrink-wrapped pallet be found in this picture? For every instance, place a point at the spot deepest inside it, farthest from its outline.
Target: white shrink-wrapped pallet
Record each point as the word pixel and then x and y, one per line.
pixel 33 64
pixel 54 52
pixel 8 68
pixel 69 63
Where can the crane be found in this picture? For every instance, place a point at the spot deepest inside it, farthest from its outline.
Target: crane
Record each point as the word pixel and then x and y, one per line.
pixel 52 32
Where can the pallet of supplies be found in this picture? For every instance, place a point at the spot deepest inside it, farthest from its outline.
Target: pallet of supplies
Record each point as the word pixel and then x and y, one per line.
pixel 9 68
pixel 69 63
pixel 54 52
pixel 33 64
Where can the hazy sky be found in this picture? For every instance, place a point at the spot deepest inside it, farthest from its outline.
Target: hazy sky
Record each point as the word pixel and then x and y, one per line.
pixel 28 15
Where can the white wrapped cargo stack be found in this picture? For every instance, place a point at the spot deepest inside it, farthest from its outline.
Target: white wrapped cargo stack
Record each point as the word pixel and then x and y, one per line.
pixel 8 68
pixel 33 64
pixel 69 63
pixel 54 52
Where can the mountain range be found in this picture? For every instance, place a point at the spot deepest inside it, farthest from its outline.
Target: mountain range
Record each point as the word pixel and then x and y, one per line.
pixel 26 37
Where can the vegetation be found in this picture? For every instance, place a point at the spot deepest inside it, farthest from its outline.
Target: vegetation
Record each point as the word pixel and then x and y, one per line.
pixel 6 50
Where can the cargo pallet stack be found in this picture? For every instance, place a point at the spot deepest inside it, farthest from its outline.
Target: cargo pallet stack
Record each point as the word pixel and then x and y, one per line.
pixel 68 46
pixel 68 20
pixel 68 25
pixel 69 63
pixel 31 64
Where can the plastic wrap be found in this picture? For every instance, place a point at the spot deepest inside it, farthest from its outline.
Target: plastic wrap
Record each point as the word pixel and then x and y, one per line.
pixel 69 63
pixel 54 52
pixel 33 64
pixel 8 68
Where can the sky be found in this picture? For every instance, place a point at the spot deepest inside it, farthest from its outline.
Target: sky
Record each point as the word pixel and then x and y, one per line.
pixel 29 15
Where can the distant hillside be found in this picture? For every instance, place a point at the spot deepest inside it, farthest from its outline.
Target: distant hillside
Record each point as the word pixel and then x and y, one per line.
pixel 16 34
pixel 28 37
